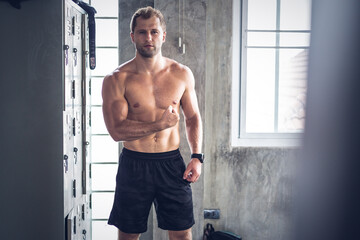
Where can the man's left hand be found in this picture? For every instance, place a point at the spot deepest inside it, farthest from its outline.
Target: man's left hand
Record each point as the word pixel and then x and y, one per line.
pixel 193 170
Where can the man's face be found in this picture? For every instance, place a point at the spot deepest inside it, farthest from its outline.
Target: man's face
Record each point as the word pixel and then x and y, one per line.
pixel 148 36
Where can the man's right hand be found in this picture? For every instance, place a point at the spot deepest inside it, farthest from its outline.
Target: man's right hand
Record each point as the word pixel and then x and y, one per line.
pixel 170 117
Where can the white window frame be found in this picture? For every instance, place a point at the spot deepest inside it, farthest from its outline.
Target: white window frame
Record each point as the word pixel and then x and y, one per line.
pixel 238 136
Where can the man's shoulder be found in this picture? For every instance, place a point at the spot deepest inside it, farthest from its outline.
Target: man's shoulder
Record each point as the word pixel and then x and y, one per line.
pixel 176 67
pixel 126 68
pixel 182 72
pixel 121 72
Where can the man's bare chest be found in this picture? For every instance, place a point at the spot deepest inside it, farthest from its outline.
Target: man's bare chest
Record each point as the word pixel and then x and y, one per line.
pixel 146 94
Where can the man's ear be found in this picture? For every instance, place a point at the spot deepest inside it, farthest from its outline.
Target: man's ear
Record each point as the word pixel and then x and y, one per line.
pixel 164 36
pixel 132 36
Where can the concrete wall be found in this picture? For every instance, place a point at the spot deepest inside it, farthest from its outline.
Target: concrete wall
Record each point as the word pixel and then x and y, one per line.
pixel 252 187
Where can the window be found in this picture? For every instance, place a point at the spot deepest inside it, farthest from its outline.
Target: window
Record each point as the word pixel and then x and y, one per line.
pixel 271 43
pixel 104 151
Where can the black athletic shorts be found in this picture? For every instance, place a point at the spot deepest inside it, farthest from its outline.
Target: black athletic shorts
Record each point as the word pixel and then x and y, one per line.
pixel 146 178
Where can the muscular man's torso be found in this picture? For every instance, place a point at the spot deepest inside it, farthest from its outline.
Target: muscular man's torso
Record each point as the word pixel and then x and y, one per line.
pixel 148 95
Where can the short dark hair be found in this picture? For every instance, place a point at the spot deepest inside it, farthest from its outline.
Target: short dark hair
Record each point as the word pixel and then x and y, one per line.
pixel 146 13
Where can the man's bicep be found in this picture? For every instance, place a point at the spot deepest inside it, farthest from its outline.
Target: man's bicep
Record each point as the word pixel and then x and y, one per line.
pixel 115 107
pixel 189 99
pixel 114 111
pixel 189 103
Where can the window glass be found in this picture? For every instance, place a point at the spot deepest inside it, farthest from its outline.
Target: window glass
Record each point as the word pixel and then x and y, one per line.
pixel 101 230
pixel 107 32
pixel 97 121
pixel 292 89
pixel 295 14
pixel 105 8
pixel 96 87
pixel 294 39
pixel 103 176
pixel 260 90
pixel 262 14
pixel 106 61
pixel 104 149
pixel 102 204
pixel 264 39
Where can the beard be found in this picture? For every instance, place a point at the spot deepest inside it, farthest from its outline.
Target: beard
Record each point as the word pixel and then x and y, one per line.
pixel 147 52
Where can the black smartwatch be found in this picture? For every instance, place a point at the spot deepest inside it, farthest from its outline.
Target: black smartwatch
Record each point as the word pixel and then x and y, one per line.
pixel 199 156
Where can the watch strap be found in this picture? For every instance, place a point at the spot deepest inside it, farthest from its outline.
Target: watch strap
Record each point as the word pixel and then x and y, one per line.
pixel 199 156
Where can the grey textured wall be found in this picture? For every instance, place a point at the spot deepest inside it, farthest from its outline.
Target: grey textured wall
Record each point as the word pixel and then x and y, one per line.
pixel 252 187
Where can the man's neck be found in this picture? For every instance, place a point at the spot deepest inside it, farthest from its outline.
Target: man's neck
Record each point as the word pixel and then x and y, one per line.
pixel 149 65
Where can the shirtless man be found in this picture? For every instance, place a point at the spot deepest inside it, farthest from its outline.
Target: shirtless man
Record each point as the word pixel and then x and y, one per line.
pixel 141 105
